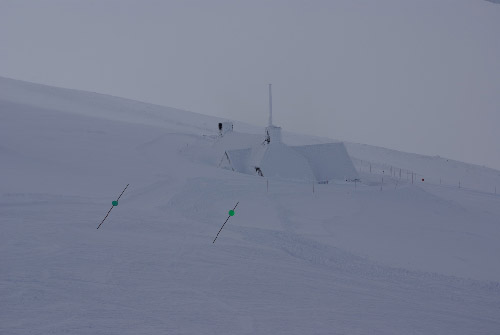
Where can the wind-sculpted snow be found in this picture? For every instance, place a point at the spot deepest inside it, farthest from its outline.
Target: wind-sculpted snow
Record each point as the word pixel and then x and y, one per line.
pixel 370 258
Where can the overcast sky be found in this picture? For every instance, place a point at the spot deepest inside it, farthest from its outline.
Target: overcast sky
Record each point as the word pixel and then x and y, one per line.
pixel 419 76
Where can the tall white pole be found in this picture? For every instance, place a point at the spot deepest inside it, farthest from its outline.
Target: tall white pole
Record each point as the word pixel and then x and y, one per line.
pixel 270 107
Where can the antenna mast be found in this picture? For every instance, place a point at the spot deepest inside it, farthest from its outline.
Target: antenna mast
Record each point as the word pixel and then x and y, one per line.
pixel 270 106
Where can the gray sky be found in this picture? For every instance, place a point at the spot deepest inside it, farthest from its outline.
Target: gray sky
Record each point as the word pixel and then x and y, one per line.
pixel 420 76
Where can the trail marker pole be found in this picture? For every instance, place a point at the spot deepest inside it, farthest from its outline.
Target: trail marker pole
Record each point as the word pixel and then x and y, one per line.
pixel 231 213
pixel 115 203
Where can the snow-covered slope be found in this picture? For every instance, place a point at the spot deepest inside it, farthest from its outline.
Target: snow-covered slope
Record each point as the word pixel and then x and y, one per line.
pixel 378 258
pixel 102 106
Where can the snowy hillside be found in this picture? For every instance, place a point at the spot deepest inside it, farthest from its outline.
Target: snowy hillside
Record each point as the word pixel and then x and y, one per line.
pixel 383 256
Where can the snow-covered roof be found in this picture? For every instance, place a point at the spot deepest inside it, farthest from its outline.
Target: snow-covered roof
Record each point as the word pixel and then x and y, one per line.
pixel 278 160
pixel 328 161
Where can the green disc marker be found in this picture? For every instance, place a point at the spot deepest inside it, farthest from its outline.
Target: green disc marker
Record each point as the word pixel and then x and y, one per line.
pixel 231 212
pixel 115 203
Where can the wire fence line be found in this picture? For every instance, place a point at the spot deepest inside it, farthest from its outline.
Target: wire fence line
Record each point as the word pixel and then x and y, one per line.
pixel 412 177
